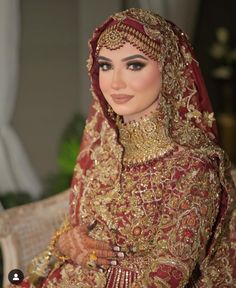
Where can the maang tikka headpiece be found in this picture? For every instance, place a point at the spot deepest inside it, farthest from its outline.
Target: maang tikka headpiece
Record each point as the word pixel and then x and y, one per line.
pixel 116 35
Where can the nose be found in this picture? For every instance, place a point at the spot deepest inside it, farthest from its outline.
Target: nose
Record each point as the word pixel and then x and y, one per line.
pixel 117 80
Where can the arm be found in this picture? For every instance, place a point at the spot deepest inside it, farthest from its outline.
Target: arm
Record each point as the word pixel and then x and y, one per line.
pixel 71 244
pixel 185 228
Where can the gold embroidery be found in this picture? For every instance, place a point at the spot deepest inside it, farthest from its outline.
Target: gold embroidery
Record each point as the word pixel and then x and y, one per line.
pixel 153 34
pixel 142 16
pixel 187 55
pixel 209 118
pixel 74 277
pixel 219 263
pixel 147 194
pixel 143 191
pixel 89 62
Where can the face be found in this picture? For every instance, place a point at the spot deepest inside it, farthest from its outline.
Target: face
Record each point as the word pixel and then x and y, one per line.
pixel 129 80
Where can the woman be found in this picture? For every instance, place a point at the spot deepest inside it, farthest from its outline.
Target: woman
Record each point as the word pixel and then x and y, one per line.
pixel 151 198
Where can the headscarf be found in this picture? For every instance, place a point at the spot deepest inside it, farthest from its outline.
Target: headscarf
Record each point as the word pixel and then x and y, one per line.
pixel 184 106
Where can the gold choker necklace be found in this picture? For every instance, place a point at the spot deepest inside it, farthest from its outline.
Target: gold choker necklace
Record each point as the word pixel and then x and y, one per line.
pixel 145 139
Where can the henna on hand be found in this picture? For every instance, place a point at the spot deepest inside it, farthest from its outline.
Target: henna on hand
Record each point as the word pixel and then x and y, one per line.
pixel 79 246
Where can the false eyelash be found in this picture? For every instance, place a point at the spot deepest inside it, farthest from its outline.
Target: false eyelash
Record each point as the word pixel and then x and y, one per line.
pixel 101 64
pixel 136 63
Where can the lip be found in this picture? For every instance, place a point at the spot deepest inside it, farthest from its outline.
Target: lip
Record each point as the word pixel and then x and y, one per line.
pixel 121 98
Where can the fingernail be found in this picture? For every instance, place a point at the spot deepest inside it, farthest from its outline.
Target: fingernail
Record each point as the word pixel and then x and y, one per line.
pixel 113 262
pixel 101 269
pixel 116 249
pixel 92 225
pixel 121 254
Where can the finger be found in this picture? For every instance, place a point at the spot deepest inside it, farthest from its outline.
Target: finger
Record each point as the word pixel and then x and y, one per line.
pixel 97 244
pixel 105 262
pixel 82 258
pixel 65 243
pixel 92 225
pixel 104 254
pixel 75 240
pixel 77 244
pixel 101 268
pixel 73 254
pixel 86 227
pixel 82 229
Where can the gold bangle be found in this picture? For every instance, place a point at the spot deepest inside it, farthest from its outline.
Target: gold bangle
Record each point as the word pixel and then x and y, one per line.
pixel 47 260
pixel 52 246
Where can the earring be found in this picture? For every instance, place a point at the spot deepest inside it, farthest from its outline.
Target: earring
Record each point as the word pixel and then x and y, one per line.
pixel 110 110
pixel 115 117
pixel 111 113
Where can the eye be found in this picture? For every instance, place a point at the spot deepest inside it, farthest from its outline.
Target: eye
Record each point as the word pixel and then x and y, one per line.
pixel 104 66
pixel 135 66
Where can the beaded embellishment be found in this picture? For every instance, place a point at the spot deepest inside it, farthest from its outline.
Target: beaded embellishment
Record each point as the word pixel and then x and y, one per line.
pixel 118 34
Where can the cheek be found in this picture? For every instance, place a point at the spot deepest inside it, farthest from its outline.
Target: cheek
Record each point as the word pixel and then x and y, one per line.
pixel 104 82
pixel 147 81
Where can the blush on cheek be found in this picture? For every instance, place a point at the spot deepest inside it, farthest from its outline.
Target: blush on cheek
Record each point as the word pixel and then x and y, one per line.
pixel 103 84
pixel 148 81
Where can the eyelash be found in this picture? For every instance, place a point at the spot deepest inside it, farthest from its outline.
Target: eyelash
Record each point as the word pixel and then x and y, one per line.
pixel 137 66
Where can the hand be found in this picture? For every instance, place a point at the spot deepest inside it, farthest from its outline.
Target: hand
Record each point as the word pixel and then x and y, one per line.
pixel 81 248
pixel 136 285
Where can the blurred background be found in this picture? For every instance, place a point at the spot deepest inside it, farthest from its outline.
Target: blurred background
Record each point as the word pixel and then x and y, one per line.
pixel 44 87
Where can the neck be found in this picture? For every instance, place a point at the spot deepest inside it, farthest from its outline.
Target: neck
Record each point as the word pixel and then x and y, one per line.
pixel 139 115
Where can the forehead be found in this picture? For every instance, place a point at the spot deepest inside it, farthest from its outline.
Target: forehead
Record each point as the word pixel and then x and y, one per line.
pixel 126 50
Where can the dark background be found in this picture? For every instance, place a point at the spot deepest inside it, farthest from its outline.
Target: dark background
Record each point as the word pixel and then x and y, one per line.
pixel 213 14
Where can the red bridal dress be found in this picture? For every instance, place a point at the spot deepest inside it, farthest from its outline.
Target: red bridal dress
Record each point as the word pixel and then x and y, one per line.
pixel 159 187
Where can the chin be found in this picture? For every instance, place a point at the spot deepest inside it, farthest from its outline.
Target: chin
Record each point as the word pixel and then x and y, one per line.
pixel 124 111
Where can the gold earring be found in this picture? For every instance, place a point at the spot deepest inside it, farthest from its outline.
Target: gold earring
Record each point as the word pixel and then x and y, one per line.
pixel 111 113
pixel 115 117
pixel 110 110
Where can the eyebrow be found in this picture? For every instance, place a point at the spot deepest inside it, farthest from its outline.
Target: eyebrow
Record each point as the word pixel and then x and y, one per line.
pixel 124 59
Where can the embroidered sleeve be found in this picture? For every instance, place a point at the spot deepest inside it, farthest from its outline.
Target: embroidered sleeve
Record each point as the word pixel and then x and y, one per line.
pixel 48 259
pixel 188 216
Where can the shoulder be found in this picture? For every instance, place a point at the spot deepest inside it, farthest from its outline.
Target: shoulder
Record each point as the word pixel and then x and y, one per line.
pixel 189 170
pixel 193 159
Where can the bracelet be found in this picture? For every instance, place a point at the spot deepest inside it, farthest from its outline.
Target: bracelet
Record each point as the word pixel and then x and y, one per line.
pixel 52 246
pixel 40 266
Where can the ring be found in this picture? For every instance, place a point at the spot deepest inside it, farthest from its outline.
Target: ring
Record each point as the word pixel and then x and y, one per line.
pixel 92 260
